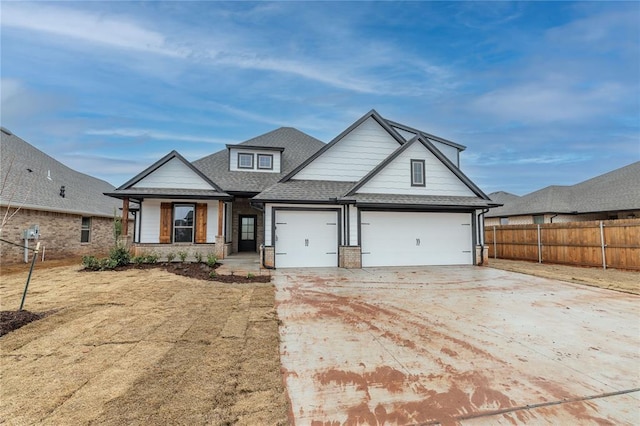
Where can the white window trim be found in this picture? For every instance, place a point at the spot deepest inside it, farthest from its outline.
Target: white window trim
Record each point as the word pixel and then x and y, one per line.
pixel 413 175
pixel 270 157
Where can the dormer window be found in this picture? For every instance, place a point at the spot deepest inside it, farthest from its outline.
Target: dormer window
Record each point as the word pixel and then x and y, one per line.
pixel 245 161
pixel 417 173
pixel 265 161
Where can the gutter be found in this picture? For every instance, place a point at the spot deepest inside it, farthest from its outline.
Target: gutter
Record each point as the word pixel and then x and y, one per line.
pixel 481 215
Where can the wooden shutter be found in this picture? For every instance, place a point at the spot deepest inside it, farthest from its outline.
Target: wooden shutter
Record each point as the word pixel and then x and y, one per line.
pixel 165 223
pixel 201 223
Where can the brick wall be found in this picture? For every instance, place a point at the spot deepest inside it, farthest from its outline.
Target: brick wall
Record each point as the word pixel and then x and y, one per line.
pixel 350 257
pixel 268 256
pixel 161 250
pixel 59 235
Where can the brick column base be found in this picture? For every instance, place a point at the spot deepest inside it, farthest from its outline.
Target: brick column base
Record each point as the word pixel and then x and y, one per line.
pixel 219 248
pixel 350 257
pixel 482 256
pixel 267 256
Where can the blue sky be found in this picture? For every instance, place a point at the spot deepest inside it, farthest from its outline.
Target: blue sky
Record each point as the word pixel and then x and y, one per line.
pixel 540 93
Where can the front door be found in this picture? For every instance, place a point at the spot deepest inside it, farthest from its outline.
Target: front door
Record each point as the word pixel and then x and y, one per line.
pixel 247 231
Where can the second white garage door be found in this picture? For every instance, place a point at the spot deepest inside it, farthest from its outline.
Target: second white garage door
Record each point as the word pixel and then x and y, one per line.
pixel 306 238
pixel 416 238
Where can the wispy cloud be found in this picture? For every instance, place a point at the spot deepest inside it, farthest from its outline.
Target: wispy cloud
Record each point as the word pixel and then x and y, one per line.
pixel 117 32
pixel 153 134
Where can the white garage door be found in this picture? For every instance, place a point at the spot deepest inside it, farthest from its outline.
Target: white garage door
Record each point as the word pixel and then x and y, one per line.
pixel 413 238
pixel 306 238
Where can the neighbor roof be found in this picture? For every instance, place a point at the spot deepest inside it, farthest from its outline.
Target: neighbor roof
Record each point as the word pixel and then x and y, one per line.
pixel 618 190
pixel 296 145
pixel 32 179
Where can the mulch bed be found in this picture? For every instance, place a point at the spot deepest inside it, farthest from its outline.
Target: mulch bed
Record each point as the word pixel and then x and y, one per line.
pixel 199 271
pixel 12 320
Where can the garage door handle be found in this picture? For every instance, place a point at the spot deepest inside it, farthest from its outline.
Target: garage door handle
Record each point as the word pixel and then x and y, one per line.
pixel 306 242
pixel 417 241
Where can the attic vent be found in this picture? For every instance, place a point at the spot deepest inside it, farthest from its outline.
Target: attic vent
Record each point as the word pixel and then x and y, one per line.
pixel 49 174
pixel 62 189
pixel 6 131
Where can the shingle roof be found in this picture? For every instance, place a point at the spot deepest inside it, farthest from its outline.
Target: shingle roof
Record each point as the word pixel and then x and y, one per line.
pixel 39 188
pixel 305 190
pixel 420 200
pixel 297 145
pixel 335 191
pixel 617 190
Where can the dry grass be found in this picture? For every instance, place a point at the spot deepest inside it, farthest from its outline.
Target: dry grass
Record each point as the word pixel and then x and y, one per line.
pixel 140 347
pixel 613 279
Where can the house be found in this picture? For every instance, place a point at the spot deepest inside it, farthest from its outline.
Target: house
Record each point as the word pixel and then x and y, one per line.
pixel 380 193
pixel 65 209
pixel 613 195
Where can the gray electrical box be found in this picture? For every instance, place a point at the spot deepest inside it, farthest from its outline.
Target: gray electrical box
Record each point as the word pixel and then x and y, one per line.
pixel 33 233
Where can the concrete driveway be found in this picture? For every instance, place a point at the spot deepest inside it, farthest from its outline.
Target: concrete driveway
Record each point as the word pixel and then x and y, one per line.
pixel 456 345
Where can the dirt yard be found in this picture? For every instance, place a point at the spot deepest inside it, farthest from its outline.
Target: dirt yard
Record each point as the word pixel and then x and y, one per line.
pixel 140 347
pixel 613 279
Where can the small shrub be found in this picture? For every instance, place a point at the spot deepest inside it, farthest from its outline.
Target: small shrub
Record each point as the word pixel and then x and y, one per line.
pixel 91 262
pixel 119 256
pixel 138 260
pixel 198 257
pixel 250 275
pixel 170 256
pixel 151 258
pixel 212 274
pixel 183 255
pixel 211 260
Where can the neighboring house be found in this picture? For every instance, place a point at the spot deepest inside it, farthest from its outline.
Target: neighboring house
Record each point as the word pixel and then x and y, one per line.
pixel 379 194
pixel 613 195
pixel 71 213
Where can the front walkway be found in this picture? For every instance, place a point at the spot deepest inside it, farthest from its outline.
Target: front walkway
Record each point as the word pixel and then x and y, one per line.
pixel 243 263
pixel 455 345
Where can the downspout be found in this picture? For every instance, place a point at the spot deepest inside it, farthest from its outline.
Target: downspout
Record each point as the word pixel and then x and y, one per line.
pixel 551 218
pixel 260 207
pixel 481 215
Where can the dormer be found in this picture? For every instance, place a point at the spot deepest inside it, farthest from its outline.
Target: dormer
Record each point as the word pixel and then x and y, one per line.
pixel 251 158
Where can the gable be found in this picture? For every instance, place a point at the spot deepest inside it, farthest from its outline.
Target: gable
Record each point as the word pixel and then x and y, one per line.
pixel 353 156
pixel 395 176
pixel 173 174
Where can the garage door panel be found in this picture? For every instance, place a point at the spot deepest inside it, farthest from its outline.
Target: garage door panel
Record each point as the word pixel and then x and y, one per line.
pixel 306 239
pixel 416 238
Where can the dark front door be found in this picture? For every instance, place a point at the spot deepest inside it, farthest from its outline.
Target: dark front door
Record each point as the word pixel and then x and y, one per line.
pixel 247 237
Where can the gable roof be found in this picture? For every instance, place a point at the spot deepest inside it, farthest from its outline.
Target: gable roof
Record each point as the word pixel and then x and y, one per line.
pixel 617 190
pixel 371 114
pixel 32 179
pixel 161 162
pixel 429 146
pixel 297 147
pixel 426 135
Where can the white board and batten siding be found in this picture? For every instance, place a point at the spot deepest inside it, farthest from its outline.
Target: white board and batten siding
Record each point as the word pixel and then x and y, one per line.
pixel 352 157
pixel 395 178
pixel 233 160
pixel 173 174
pixel 150 224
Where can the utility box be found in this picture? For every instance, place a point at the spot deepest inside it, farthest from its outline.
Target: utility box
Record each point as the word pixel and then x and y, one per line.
pixel 33 233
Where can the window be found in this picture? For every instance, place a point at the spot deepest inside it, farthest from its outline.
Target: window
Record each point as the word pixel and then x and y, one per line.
pixel 417 173
pixel 265 161
pixel 245 161
pixel 85 232
pixel 538 219
pixel 504 221
pixel 183 223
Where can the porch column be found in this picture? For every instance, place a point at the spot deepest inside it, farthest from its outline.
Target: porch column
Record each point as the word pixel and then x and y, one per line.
pixel 220 240
pixel 125 217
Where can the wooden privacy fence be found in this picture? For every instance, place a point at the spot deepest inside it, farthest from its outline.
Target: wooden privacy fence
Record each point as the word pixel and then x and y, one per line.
pixel 607 244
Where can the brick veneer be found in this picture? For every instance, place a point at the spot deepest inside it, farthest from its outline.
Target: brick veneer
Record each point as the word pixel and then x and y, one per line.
pixel 59 235
pixel 350 257
pixel 267 258
pixel 240 207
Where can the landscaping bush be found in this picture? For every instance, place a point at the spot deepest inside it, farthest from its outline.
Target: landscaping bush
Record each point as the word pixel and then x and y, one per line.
pixel 91 262
pixel 151 258
pixel 198 257
pixel 138 260
pixel 211 260
pixel 119 256
pixel 170 256
pixel 183 255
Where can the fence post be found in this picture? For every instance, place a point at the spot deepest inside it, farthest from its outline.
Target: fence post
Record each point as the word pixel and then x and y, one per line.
pixel 603 245
pixel 539 248
pixel 495 249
